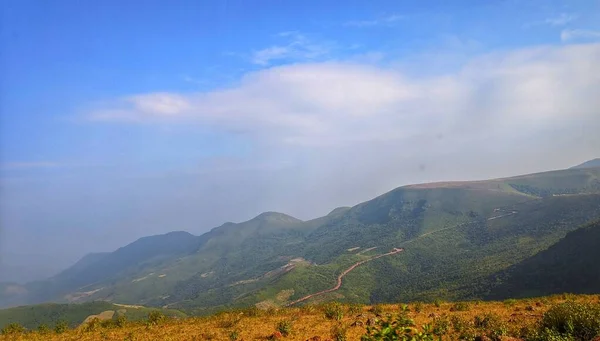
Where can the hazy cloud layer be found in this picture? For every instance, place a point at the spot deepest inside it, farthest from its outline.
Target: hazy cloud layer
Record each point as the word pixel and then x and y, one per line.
pixel 501 95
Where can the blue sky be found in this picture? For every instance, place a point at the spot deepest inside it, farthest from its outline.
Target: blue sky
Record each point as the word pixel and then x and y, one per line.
pixel 121 119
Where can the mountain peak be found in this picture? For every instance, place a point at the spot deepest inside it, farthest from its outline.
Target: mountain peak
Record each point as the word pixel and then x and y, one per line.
pixel 276 217
pixel 339 210
pixel 588 164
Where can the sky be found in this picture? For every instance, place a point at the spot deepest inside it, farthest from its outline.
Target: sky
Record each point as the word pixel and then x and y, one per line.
pixel 122 119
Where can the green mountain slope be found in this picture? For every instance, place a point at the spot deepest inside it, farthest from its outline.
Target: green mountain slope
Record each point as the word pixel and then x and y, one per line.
pixel 456 235
pixel 570 265
pixel 49 314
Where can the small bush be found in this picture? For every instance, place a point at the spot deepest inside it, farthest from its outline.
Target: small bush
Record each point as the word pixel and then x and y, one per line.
pixel 284 327
pixel 156 317
pixel 577 320
pixel 309 308
pixel 418 307
pixel 492 324
pixel 228 321
pixel 43 329
pixel 460 306
pixel 121 321
pixel 463 328
pixel 234 335
pixel 13 329
pixel 402 328
pixel 510 302
pixel 441 325
pixel 355 309
pixel 338 333
pixel 252 312
pixel 438 303
pixel 377 309
pixel 92 325
pixel 209 336
pixel 107 323
pixel 61 327
pixel 334 311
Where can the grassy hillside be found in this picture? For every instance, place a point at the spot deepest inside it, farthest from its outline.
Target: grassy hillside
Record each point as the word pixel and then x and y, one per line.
pixel 74 314
pixel 530 320
pixel 456 235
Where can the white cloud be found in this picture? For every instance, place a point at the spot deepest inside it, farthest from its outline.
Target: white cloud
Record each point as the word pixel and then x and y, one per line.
pixel 299 48
pixel 561 20
pixel 389 20
pixel 339 103
pixel 567 35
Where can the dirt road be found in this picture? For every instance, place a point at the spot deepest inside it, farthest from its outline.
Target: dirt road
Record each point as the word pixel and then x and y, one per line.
pixel 339 279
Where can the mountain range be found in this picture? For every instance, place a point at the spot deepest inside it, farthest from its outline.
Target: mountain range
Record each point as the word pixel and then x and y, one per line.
pixel 450 240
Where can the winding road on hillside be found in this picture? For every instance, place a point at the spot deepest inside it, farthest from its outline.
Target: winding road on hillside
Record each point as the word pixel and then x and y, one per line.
pixel 393 252
pixel 341 276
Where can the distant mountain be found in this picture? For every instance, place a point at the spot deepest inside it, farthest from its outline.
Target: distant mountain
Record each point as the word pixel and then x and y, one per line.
pixel 588 164
pixel 456 236
pixel 570 265
pixel 71 284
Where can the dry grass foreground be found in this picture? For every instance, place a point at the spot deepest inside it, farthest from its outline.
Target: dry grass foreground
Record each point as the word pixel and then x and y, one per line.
pixel 315 322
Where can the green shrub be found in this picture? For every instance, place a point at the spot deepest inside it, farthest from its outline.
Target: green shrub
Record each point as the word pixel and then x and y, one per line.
pixel 441 325
pixel 13 329
pixel 464 328
pixel 43 329
pixel 156 317
pixel 438 303
pixel 580 321
pixel 284 327
pixel 418 307
pixel 402 328
pixel 107 323
pixel 234 335
pixel 61 327
pixel 121 321
pixel 355 309
pixel 510 302
pixel 460 306
pixel 92 325
pixel 492 325
pixel 338 333
pixel 377 309
pixel 309 308
pixel 334 311
pixel 252 312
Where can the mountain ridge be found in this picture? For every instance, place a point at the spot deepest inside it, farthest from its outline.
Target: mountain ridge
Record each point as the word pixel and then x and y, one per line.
pixel 588 164
pixel 256 261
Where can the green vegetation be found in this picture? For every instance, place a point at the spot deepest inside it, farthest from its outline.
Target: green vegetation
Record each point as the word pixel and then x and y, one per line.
pixel 568 265
pixel 571 320
pixel 284 327
pixel 334 311
pixel 56 315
